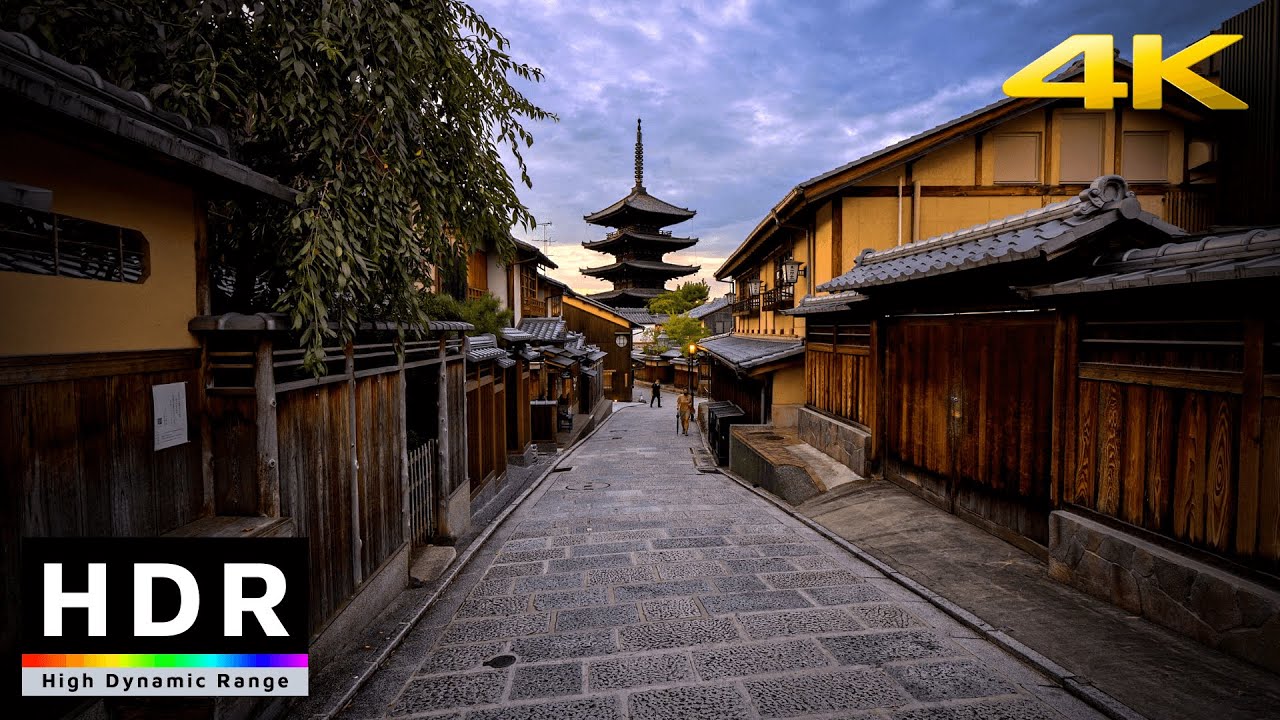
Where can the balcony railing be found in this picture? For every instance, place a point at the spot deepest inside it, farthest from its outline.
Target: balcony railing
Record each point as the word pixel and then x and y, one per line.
pixel 475 293
pixel 747 306
pixel 532 307
pixel 779 298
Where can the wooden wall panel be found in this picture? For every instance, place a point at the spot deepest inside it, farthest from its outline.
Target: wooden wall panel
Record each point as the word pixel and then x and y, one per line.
pixel 379 449
pixel 319 470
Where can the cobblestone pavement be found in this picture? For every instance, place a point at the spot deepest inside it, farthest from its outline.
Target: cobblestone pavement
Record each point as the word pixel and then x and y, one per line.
pixel 632 586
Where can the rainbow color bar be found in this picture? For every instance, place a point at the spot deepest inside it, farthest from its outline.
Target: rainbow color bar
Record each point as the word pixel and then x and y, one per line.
pixel 207 660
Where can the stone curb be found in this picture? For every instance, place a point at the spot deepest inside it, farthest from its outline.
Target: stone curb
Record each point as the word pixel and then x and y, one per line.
pixel 339 701
pixel 1077 686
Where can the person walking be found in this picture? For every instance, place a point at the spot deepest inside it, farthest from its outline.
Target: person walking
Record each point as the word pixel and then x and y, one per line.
pixel 657 394
pixel 684 410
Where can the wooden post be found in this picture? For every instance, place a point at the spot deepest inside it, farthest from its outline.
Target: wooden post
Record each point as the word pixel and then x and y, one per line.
pixel 403 412
pixel 268 446
pixel 208 504
pixel 875 385
pixel 1250 439
pixel 444 478
pixel 1058 413
pixel 357 566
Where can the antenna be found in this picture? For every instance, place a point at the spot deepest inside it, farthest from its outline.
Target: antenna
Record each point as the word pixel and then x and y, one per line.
pixel 545 239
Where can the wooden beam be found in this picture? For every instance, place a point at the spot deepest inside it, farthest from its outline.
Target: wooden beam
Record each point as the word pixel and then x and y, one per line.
pixel 1012 190
pixel 1178 378
pixel 1047 145
pixel 26 369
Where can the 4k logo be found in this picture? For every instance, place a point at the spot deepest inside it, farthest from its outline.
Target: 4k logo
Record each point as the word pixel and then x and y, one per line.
pixel 1099 88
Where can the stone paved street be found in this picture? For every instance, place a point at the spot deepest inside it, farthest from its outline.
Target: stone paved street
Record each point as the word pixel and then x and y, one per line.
pixel 629 585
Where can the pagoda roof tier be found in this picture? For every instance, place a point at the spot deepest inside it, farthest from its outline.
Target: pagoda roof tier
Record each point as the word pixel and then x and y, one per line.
pixel 640 208
pixel 642 268
pixel 633 237
pixel 627 297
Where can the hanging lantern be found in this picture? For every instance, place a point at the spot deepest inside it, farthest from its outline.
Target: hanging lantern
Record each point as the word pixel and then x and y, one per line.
pixel 753 287
pixel 791 271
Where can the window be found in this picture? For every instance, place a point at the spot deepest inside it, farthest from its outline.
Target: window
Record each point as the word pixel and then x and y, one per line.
pixel 1145 157
pixel 43 243
pixel 1080 151
pixel 1017 158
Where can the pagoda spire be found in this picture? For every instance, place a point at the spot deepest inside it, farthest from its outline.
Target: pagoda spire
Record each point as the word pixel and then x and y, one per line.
pixel 639 157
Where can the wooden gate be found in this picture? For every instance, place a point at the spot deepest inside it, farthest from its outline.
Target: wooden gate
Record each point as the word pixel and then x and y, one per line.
pixel 969 416
pixel 422 478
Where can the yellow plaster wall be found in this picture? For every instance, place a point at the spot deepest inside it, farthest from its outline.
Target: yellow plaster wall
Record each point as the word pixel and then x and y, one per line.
pixel 945 214
pixel 950 165
pixel 50 315
pixel 822 244
pixel 872 223
pixel 788 386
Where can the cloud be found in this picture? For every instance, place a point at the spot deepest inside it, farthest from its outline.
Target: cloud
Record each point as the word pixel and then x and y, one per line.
pixel 744 99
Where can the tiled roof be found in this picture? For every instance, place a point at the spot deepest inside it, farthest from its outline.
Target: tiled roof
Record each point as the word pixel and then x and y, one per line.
pixel 1246 254
pixel 709 307
pixel 655 267
pixel 597 355
pixel 744 352
pixel 79 94
pixel 1044 232
pixel 640 200
pixel 632 236
pixel 641 316
pixel 533 250
pixel 642 293
pixel 574 340
pixel 483 348
pixel 511 334
pixel 506 362
pixel 545 329
pixel 835 302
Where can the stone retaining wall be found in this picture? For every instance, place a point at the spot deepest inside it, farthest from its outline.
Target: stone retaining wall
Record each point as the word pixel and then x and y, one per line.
pixel 1217 608
pixel 844 442
pixel 789 482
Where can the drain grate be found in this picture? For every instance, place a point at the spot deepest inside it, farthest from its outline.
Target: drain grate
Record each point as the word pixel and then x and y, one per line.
pixel 594 485
pixel 500 661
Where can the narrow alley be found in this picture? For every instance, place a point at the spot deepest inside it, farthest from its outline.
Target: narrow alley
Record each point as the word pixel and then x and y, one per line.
pixel 629 584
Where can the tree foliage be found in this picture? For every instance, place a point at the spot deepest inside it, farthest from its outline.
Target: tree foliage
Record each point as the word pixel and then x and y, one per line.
pixel 387 117
pixel 683 330
pixel 681 300
pixel 486 313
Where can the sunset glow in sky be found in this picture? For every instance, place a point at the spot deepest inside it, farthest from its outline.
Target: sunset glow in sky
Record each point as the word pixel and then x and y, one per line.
pixel 742 100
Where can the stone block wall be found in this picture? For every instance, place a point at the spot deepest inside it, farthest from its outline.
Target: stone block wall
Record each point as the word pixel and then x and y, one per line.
pixel 789 482
pixel 1222 610
pixel 849 445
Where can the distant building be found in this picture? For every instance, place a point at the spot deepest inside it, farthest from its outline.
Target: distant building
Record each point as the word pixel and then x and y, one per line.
pixel 638 243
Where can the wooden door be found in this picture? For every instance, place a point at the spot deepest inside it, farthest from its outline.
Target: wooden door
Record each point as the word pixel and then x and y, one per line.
pixel 969 412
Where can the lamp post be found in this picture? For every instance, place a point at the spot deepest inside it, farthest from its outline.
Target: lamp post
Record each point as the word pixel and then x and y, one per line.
pixel 693 365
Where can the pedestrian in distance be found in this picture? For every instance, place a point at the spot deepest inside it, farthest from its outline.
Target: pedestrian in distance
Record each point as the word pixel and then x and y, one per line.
pixel 657 394
pixel 684 410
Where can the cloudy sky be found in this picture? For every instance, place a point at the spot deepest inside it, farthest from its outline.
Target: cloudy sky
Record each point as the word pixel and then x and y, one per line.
pixel 744 99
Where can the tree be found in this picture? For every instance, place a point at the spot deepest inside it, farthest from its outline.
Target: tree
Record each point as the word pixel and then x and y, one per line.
pixel 684 331
pixel 388 119
pixel 681 300
pixel 486 312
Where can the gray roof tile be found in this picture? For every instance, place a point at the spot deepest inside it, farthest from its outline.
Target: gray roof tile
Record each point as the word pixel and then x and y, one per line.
pixel 744 352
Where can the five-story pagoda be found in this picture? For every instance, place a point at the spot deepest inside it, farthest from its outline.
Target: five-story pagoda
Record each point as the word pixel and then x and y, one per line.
pixel 638 243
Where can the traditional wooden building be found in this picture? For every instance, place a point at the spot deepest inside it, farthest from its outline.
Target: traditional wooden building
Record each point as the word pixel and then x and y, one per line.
pixel 1086 381
pixel 1016 155
pixel 612 333
pixel 638 243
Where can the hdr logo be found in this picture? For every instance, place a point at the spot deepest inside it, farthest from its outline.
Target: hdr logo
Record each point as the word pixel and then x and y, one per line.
pixel 164 616
pixel 1151 69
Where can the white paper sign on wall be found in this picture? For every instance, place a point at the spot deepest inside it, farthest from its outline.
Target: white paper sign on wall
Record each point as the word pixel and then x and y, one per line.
pixel 170 413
